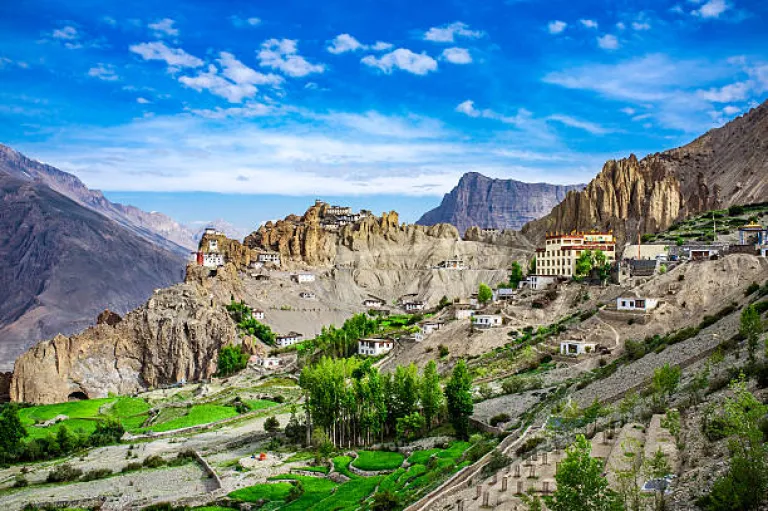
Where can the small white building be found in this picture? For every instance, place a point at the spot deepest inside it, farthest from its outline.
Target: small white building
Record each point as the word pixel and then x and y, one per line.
pixel 414 306
pixel 464 313
pixel 338 210
pixel 307 295
pixel 635 303
pixel 210 231
pixel 374 346
pixel 288 339
pixel 265 362
pixel 257 314
pixel 538 282
pixel 213 245
pixel 764 251
pixel 486 321
pixel 428 328
pixel 576 348
pixel 504 293
pixel 452 264
pixel 213 260
pixel 269 257
pixel 303 278
pixel 373 303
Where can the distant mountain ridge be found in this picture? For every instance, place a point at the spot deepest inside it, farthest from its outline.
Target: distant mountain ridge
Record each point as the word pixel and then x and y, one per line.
pixel 155 227
pixel 495 203
pixel 726 166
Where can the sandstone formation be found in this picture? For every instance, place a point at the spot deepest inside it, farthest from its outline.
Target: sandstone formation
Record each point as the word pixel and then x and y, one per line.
pixel 495 203
pixel 726 166
pixel 174 337
pixel 108 318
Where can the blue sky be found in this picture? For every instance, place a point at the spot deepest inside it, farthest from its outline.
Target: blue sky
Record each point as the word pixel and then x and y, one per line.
pixel 384 102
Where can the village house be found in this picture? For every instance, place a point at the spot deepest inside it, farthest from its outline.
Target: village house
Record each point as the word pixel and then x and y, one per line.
pixel 307 295
pixel 257 314
pixel 451 264
pixel 504 293
pixel 373 303
pixel 645 252
pixel 213 245
pixel 414 306
pixel 213 260
pixel 461 313
pixel 537 282
pixel 303 278
pixel 269 257
pixel 636 303
pixel 430 326
pixel 288 339
pixel 753 234
pixel 265 362
pixel 643 267
pixel 559 255
pixel 338 210
pixel 576 348
pixel 486 321
pixel 373 347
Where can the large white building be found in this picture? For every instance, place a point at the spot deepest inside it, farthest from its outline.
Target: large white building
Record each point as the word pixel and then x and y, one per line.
pixel 635 303
pixel 560 252
pixel 414 306
pixel 486 321
pixel 373 347
pixel 269 257
pixel 213 260
pixel 303 278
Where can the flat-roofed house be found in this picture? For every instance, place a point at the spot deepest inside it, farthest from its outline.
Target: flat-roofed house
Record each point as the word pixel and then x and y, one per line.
pixel 634 302
pixel 288 339
pixel 486 321
pixel 576 348
pixel 373 347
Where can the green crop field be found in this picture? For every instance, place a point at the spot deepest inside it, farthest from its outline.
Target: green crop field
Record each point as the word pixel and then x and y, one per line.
pixel 378 460
pixel 194 416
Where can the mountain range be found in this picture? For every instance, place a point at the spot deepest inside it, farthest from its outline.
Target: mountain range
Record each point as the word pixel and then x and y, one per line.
pixel 495 203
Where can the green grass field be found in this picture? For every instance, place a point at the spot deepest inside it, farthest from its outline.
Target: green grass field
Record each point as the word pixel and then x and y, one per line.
pixel 378 460
pixel 194 416
pixel 84 415
pixel 259 404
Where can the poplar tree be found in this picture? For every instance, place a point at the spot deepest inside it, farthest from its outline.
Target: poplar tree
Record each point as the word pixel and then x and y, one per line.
pixel 458 395
pixel 431 393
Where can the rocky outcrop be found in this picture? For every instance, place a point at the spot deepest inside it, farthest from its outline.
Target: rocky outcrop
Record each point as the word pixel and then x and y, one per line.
pixel 5 387
pixel 628 196
pixel 495 203
pixel 175 336
pixel 108 318
pixel 726 166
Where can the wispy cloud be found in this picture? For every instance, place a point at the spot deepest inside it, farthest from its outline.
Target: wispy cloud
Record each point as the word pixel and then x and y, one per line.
pixel 556 27
pixel 588 23
pixel 174 57
pixel 104 72
pixel 711 9
pixel 449 33
pixel 608 42
pixel 403 59
pixel 235 82
pixel 283 55
pixel 164 27
pixel 245 22
pixel 572 122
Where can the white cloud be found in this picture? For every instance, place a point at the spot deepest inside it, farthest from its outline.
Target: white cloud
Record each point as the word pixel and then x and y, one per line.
pixel 608 42
pixel 245 22
pixel 282 54
pixel 381 46
pixel 641 25
pixel 589 23
pixel 591 127
pixel 104 72
pixel 731 110
pixel 629 110
pixel 235 82
pixel 448 33
pixel 374 123
pixel 733 92
pixel 164 27
pixel 712 9
pixel 556 27
pixel 253 21
pixel 247 111
pixel 620 26
pixel 343 43
pixel 68 33
pixel 404 59
pixel 457 55
pixel 143 101
pixel 174 57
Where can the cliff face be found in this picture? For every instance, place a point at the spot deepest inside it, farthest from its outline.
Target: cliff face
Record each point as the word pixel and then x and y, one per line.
pixel 175 336
pixel 726 166
pixel 495 203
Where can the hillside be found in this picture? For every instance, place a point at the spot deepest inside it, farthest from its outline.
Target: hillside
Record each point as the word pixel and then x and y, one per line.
pixel 62 263
pixel 724 167
pixel 155 227
pixel 495 203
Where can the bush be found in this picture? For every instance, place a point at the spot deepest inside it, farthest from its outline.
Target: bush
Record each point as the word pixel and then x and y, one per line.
pixel 20 482
pixel 99 473
pixel 634 349
pixel 64 473
pixel 271 425
pixel 131 467
pixel 529 445
pixel 231 360
pixel 753 287
pixel 107 433
pixel 442 351
pixel 154 461
pixel 499 418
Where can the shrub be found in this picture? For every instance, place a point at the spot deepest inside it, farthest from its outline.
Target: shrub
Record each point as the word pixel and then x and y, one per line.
pixel 99 473
pixel 131 467
pixel 442 350
pixel 107 432
pixel 231 360
pixel 634 349
pixel 753 287
pixel 154 461
pixel 529 445
pixel 20 482
pixel 271 425
pixel 513 385
pixel 499 418
pixel 64 473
